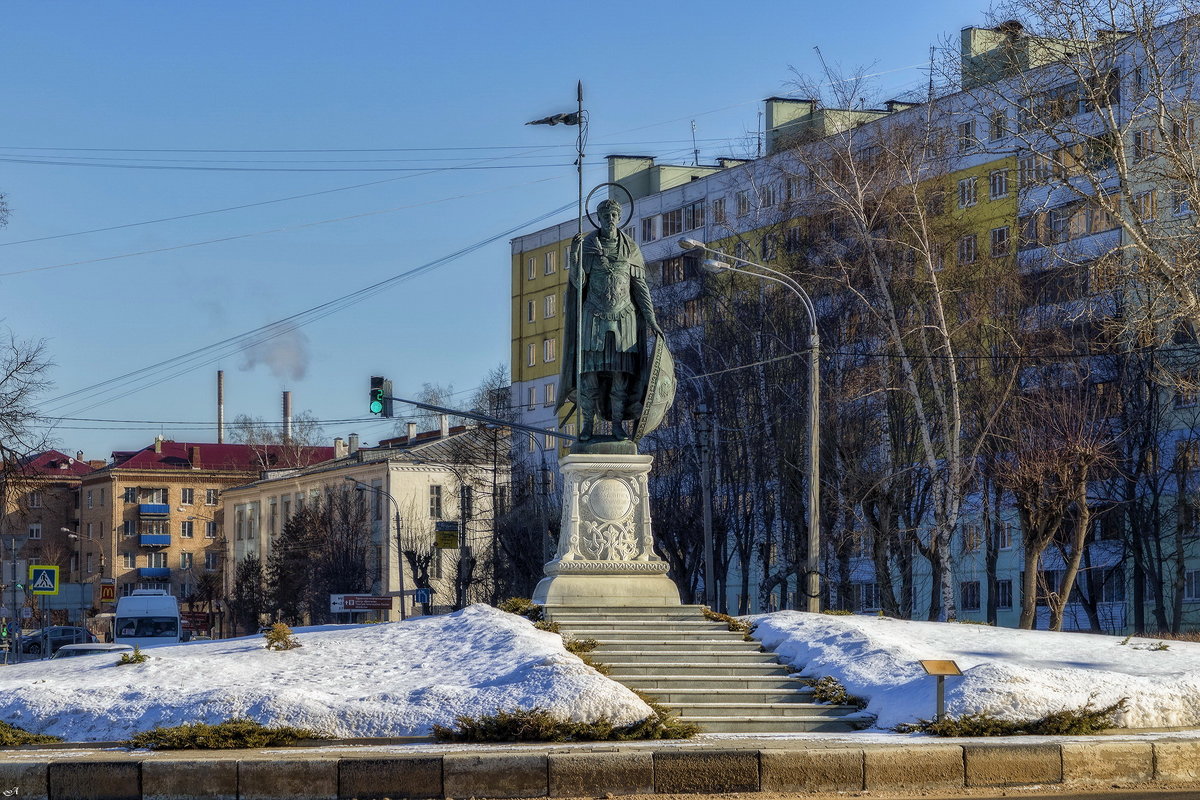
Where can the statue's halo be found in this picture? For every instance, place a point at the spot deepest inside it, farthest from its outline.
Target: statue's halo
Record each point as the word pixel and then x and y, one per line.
pixel 592 220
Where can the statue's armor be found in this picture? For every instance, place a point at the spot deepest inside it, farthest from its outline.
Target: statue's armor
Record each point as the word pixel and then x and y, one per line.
pixel 610 335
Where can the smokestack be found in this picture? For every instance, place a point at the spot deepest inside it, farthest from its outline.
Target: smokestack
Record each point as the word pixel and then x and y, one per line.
pixel 339 447
pixel 445 420
pixel 195 457
pixel 220 406
pixel 158 440
pixel 287 416
pixel 412 432
pixel 79 455
pixel 353 443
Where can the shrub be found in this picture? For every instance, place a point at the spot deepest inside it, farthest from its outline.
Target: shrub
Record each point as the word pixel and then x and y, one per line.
pixel 830 690
pixel 233 734
pixel 279 637
pixel 12 736
pixel 522 607
pixel 1183 636
pixel 1084 721
pixel 136 657
pixel 579 646
pixel 539 725
pixel 546 625
pixel 734 624
pixel 838 612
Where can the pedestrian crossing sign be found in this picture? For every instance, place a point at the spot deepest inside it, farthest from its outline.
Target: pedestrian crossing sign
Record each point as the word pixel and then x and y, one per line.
pixel 43 579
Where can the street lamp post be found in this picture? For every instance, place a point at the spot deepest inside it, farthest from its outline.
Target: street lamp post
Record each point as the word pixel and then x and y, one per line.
pixel 360 486
pixel 812 578
pixel 78 568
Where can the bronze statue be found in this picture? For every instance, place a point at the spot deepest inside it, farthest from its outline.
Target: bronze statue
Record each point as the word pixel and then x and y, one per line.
pixel 616 374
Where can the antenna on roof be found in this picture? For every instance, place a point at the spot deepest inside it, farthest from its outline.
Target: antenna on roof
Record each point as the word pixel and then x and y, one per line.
pixel 695 149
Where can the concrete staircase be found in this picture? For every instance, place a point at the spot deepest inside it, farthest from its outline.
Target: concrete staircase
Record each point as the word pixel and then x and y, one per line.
pixel 706 673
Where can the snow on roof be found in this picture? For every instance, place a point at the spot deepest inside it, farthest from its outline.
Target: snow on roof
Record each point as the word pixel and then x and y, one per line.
pixel 1014 674
pixel 393 679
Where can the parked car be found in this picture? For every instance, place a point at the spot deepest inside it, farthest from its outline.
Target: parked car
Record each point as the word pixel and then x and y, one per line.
pixel 90 649
pixel 48 640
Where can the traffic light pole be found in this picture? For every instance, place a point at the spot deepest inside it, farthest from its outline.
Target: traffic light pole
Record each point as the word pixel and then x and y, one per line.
pixel 482 418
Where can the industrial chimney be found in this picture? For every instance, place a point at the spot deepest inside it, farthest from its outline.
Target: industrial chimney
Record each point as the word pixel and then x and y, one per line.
pixel 220 406
pixel 287 416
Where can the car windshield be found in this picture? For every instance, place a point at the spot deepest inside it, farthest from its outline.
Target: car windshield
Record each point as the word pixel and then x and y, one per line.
pixel 144 627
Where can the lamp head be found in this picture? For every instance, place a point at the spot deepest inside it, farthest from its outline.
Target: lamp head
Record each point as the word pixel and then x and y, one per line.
pixel 690 244
pixel 712 266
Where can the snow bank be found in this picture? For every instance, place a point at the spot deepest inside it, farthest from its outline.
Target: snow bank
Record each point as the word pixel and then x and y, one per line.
pixel 394 679
pixel 1013 674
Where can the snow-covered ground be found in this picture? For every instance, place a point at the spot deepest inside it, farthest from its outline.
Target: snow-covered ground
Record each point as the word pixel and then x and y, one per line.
pixel 1011 673
pixel 393 679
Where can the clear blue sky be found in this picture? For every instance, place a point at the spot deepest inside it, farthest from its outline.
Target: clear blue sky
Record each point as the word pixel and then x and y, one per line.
pixel 411 86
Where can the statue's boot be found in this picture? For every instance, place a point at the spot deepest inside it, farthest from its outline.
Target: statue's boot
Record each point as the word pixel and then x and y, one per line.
pixel 585 432
pixel 618 431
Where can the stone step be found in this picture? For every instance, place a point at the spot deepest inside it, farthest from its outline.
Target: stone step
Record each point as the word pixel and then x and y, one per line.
pixel 645 645
pixel 789 710
pixel 660 682
pixel 814 724
pixel 699 668
pixel 692 695
pixel 677 626
pixel 703 655
pixel 628 634
pixel 615 612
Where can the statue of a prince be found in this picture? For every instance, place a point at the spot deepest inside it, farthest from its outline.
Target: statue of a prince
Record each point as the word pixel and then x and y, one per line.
pixel 616 313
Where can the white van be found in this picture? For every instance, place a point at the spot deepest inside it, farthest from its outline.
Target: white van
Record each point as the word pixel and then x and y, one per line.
pixel 147 618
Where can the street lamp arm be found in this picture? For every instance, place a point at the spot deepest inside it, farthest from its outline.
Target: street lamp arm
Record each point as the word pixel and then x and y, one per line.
pixel 779 276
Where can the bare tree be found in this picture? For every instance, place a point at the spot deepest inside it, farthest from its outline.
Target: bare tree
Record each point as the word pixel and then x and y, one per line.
pixel 274 444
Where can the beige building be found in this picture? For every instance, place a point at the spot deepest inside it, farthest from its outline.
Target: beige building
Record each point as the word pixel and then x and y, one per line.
pixel 152 519
pixel 410 485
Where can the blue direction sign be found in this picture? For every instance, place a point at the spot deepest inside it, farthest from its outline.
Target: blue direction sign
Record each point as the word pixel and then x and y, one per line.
pixel 43 579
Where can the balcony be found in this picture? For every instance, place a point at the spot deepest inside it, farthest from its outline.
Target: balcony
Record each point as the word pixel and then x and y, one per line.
pixel 162 573
pixel 153 509
pixel 154 540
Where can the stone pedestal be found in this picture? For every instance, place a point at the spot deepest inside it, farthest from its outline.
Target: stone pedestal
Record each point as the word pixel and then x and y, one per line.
pixel 605 548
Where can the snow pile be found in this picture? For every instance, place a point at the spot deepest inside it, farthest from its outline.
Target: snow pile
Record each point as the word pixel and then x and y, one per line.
pixel 1013 674
pixel 394 679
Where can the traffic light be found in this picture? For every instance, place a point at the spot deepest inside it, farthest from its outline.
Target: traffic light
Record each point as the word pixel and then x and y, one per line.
pixel 381 396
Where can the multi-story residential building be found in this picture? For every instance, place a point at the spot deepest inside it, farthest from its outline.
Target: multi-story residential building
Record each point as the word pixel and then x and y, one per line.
pixel 156 519
pixel 411 487
pixel 41 506
pixel 1049 174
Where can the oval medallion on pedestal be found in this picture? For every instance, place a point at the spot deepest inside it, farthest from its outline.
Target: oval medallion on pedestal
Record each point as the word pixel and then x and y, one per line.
pixel 610 499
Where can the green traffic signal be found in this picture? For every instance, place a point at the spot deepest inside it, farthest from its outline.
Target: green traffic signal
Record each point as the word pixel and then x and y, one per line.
pixel 377 401
pixel 381 396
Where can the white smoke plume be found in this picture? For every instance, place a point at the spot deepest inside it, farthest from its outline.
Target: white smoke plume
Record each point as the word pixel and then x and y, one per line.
pixel 282 348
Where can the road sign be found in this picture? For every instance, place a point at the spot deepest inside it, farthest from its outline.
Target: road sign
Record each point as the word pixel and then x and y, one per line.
pixel 423 595
pixel 43 579
pixel 339 603
pixel 108 593
pixel 194 620
pixel 445 535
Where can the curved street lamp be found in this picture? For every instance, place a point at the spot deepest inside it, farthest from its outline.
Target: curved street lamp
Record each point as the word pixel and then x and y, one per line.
pixel 812 588
pixel 365 487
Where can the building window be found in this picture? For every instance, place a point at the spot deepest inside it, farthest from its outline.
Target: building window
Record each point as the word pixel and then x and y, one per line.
pixel 1004 594
pixel 88 562
pixel 718 211
pixel 129 560
pixel 1004 537
pixel 743 203
pixel 998 125
pixel 210 530
pixel 549 266
pixel 692 313
pixel 211 560
pixel 210 497
pixel 531 355
pixel 530 311
pixel 966 136
pixel 548 309
pixel 1181 202
pixel 770 246
pixel 997 184
pixel 1144 205
pixel 1191 586
pixel 187 497
pixel 89 530
pixel 531 398
pixel 158 559
pixel 548 354
pixel 648 229
pixel 531 268
pixel 672 271
pixel 967 196
pixel 968 594
pixel 551 393
pixel 693 216
pixel 127 528
pixel 187 529
pixel 130 494
pixel 866 596
pixel 435 502
pixel 89 499
pixel 1034 169
pixel 971 538
pixel 999 242
pixel 767 195
pixel 672 223
pixel 35 530
pixel 185 560
pixel 1143 144
pixel 158 495
pixel 968 249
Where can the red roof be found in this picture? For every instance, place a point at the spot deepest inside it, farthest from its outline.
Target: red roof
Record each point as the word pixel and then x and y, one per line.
pixel 229 457
pixel 52 462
